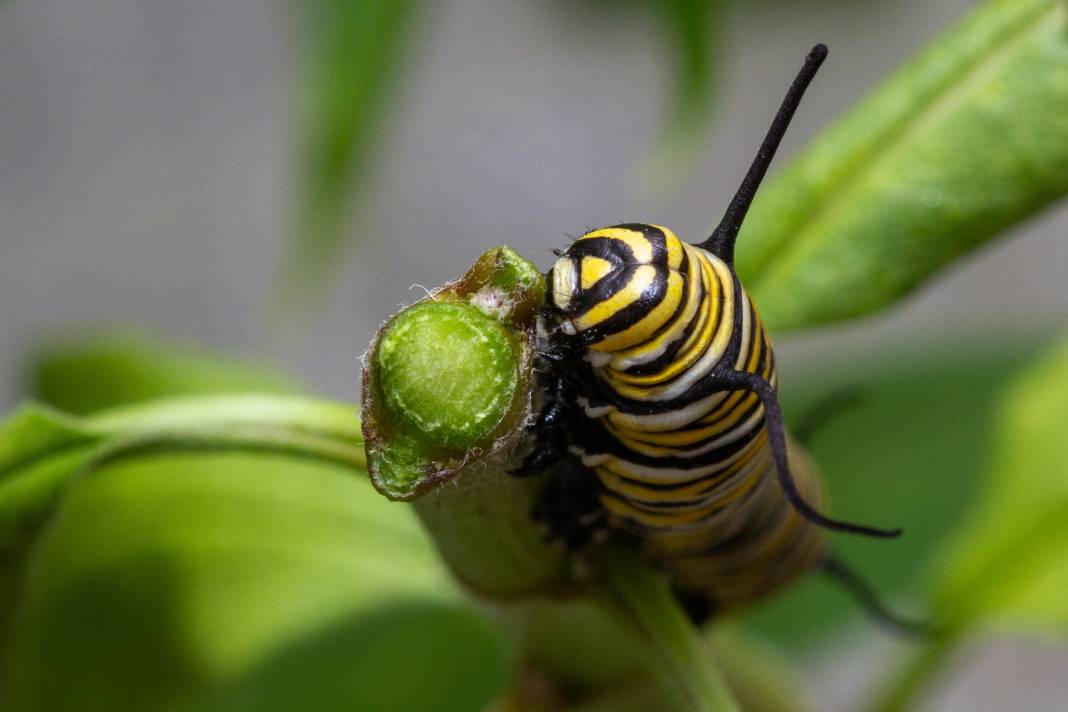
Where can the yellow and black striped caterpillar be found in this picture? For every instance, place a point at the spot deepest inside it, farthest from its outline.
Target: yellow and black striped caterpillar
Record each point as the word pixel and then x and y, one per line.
pixel 663 389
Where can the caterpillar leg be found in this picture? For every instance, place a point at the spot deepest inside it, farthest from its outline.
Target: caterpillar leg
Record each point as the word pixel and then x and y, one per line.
pixel 550 444
pixel 571 505
pixel 729 379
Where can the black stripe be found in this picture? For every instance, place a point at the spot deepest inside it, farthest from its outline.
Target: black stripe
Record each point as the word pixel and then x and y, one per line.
pixel 730 356
pixel 607 248
pixel 668 356
pixel 609 445
pixel 582 300
pixel 656 237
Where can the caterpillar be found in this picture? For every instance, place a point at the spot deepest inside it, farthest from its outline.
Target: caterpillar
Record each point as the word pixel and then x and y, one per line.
pixel 664 414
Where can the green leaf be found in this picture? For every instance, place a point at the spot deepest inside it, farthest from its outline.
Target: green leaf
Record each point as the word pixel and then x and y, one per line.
pixel 172 575
pixel 88 374
pixel 34 432
pixel 199 539
pixel 419 657
pixel 1007 564
pixel 692 27
pixel 1009 560
pixel 349 56
pixel 962 143
pixel 692 31
pixel 41 450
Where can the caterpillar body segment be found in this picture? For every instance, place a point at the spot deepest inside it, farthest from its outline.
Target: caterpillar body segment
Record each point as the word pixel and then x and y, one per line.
pixel 663 403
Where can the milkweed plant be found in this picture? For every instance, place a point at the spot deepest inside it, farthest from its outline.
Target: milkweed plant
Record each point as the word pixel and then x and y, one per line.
pixel 184 533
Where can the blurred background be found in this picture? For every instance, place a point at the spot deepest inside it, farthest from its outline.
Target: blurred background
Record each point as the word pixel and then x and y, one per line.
pixel 154 168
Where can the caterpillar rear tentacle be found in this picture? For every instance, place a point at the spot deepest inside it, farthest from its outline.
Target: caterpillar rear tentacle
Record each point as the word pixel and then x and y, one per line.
pixel 864 594
pixel 777 434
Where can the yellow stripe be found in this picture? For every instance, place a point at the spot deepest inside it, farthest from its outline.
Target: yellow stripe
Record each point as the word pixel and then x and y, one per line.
pixel 648 514
pixel 745 457
pixel 625 510
pixel 639 244
pixel 645 327
pixel 592 270
pixel 675 247
pixel 642 279
pixel 647 443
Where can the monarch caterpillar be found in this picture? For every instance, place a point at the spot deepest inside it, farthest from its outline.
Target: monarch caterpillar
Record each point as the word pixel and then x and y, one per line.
pixel 663 390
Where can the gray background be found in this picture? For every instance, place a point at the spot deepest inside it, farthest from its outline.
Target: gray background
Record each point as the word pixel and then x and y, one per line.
pixel 147 177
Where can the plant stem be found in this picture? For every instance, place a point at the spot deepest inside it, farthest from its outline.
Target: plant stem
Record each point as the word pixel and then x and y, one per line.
pixel 481 523
pixel 684 660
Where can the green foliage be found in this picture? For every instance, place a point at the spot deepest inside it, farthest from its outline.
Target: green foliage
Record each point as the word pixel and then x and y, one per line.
pixel 761 678
pixel 692 32
pixel 35 432
pixel 186 571
pixel 408 657
pixel 91 373
pixel 962 143
pixel 349 53
pixel 227 552
pixel 1006 565
pixel 1008 562
pixel 42 450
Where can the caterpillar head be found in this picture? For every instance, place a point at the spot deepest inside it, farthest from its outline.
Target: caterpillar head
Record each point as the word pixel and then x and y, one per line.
pixel 614 279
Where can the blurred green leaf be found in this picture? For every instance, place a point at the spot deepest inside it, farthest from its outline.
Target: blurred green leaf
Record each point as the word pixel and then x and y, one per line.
pixel 908 455
pixel 174 574
pixel 84 375
pixel 35 432
pixel 1009 560
pixel 693 26
pixel 349 55
pixel 1007 564
pixel 40 449
pixel 966 140
pixel 419 657
pixel 693 30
